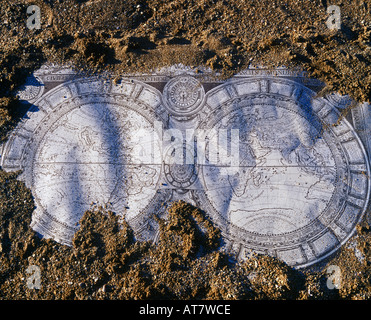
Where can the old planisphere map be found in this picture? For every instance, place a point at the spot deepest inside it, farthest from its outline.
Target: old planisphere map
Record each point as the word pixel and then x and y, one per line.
pixel 278 169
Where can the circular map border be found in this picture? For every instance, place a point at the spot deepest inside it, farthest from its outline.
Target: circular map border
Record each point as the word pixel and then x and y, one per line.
pixel 230 95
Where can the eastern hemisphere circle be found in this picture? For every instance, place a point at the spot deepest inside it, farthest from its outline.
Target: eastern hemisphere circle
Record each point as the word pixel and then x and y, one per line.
pixel 293 195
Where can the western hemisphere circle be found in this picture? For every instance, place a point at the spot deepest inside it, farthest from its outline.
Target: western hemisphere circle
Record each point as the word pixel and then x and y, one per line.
pixel 80 154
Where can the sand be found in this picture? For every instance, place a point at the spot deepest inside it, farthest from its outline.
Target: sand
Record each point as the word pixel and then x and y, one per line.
pixel 115 36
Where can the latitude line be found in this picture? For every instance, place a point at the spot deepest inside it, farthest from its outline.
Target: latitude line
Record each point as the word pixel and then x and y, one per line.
pixel 184 164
